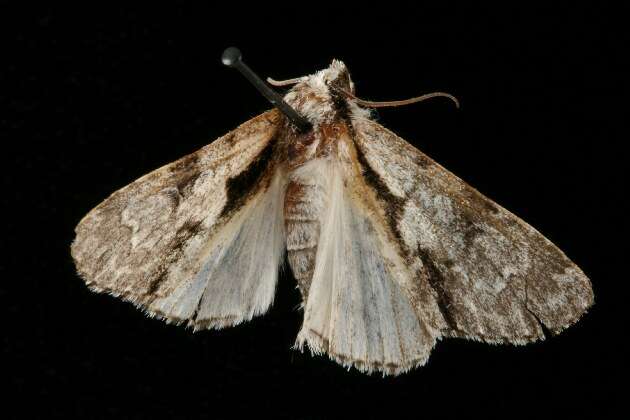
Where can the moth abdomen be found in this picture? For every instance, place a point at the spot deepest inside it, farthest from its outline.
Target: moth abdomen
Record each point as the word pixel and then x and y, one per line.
pixel 304 202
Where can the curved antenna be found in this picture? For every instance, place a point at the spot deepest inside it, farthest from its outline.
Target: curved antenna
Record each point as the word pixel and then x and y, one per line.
pixel 285 82
pixel 232 57
pixel 375 104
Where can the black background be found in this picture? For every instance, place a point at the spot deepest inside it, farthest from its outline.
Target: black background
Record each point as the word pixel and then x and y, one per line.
pixel 97 96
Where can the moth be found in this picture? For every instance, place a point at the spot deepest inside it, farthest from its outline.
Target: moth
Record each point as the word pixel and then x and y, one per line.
pixel 391 252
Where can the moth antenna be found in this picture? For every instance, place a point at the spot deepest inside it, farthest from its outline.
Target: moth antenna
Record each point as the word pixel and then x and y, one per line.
pixel 284 82
pixel 374 104
pixel 232 57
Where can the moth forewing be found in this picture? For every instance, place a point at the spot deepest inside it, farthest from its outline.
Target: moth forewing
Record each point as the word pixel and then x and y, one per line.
pixel 496 278
pixel 162 240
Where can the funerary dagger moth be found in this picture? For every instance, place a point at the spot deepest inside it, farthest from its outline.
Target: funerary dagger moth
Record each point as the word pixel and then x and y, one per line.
pixel 390 251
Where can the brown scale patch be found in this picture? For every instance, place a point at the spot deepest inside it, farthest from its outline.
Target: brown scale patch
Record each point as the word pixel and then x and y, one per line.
pixel 330 134
pixel 471 232
pixel 489 205
pixel 301 256
pixel 295 192
pixel 230 138
pixel 293 197
pixel 188 230
pixel 156 282
pixel 184 163
pixel 437 280
pixel 478 201
pixel 307 275
pixel 393 205
pixel 423 161
pixel 186 171
pixel 304 95
pixel 240 187
pixel 297 147
pixel 187 180
pixel 102 260
pixel 175 196
pixel 339 100
pixel 341 82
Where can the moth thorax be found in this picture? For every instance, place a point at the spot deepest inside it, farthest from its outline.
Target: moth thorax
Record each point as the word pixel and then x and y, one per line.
pixel 302 148
pixel 305 201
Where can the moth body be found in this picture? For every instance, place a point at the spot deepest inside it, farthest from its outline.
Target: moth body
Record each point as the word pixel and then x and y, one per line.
pixel 305 201
pixel 308 157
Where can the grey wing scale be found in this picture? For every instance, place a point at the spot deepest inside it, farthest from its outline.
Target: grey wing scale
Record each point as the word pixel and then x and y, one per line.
pixel 182 242
pixel 487 274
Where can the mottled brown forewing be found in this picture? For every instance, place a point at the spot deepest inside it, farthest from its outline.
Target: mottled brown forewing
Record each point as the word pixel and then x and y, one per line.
pixel 491 276
pixel 147 238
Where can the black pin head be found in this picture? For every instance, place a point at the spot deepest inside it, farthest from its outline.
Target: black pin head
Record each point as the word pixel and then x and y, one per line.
pixel 231 56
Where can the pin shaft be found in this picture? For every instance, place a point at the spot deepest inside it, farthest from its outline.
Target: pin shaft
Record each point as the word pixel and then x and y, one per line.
pixel 232 57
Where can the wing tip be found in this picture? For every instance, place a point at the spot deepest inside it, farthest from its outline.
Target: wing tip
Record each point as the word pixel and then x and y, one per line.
pixel 576 316
pixel 576 299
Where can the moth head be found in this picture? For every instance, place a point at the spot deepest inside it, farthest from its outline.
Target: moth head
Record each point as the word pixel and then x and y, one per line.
pixel 320 96
pixel 336 77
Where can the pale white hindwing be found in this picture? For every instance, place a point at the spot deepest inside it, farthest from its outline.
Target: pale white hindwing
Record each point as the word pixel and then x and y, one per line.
pixel 197 241
pixel 356 310
pixel 240 267
pixel 495 278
